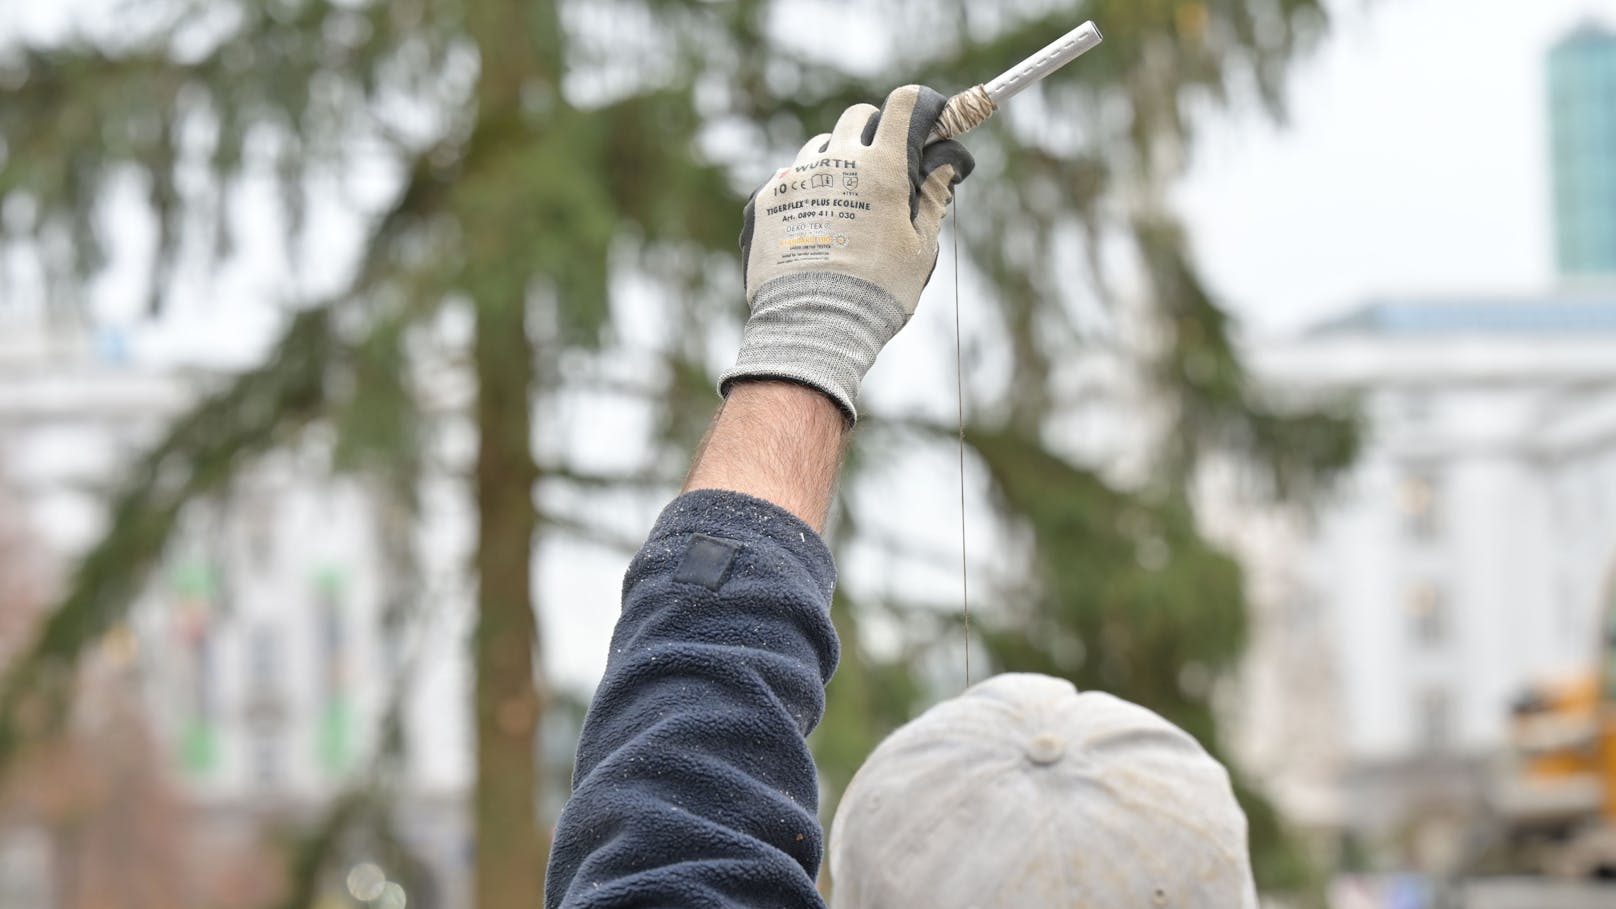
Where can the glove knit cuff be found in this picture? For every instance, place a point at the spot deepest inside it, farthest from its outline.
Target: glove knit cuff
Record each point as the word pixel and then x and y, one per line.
pixel 822 329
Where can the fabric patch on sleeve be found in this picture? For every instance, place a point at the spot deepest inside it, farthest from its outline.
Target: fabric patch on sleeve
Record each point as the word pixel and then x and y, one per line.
pixel 706 561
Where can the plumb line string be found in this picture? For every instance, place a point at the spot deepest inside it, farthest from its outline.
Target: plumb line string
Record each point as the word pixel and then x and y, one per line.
pixel 959 386
pixel 963 113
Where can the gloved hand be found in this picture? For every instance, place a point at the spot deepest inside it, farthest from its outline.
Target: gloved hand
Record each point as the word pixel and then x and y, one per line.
pixel 838 246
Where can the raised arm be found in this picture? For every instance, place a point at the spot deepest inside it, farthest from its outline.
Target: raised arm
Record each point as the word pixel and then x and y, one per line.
pixel 694 785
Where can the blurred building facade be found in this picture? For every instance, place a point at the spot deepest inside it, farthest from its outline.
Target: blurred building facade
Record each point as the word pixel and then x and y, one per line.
pixel 262 647
pixel 1582 112
pixel 1470 552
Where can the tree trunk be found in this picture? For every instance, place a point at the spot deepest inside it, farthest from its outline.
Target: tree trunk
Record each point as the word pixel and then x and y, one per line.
pixel 511 849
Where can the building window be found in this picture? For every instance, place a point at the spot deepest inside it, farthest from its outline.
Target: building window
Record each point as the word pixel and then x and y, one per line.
pixel 263 659
pixel 1428 612
pixel 1304 612
pixel 1595 497
pixel 335 737
pixel 266 762
pixel 266 710
pixel 1436 719
pixel 260 531
pixel 1610 646
pixel 1417 407
pixel 195 608
pixel 1419 503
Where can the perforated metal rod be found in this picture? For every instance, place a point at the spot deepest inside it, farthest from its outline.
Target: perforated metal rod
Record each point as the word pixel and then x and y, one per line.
pixel 972 107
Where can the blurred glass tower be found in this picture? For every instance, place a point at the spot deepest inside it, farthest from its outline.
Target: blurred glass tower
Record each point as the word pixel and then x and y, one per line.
pixel 1582 118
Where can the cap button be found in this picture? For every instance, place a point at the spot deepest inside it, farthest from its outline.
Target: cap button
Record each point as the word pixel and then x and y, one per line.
pixel 1045 748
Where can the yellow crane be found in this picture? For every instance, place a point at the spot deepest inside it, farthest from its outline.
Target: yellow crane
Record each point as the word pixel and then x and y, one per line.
pixel 1557 796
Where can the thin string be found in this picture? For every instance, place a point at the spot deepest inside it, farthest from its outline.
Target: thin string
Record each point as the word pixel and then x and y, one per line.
pixel 959 384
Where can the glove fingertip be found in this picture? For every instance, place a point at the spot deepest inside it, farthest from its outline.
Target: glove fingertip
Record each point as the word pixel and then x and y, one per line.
pixel 950 153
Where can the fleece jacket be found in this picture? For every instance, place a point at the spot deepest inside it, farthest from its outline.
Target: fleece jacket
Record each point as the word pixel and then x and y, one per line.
pixel 694 786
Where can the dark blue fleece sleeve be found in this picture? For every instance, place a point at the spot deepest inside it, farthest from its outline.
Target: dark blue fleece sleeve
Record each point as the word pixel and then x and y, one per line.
pixel 694 786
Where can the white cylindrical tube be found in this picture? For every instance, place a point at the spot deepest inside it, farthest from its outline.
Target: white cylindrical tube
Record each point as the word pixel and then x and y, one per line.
pixel 1062 51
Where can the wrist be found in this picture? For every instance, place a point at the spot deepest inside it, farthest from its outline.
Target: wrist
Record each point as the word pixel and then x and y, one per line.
pixel 774 440
pixel 785 401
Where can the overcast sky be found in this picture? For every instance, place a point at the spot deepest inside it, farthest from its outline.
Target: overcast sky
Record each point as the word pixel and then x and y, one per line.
pixel 1415 163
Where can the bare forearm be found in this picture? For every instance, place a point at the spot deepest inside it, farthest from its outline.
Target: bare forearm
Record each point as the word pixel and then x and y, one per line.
pixel 778 441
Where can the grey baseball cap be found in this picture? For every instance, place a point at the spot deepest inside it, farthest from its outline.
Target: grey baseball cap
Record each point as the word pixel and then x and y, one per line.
pixel 1023 792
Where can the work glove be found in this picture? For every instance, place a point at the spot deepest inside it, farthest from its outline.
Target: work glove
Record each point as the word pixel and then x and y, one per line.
pixel 838 246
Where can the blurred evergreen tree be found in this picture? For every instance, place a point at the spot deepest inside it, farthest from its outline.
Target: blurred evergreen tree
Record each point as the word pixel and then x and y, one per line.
pixel 539 157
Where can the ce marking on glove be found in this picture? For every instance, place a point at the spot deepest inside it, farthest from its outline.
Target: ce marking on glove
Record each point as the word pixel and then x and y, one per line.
pixel 817 181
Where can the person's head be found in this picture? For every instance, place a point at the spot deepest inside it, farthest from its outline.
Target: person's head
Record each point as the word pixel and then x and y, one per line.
pixel 1022 792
